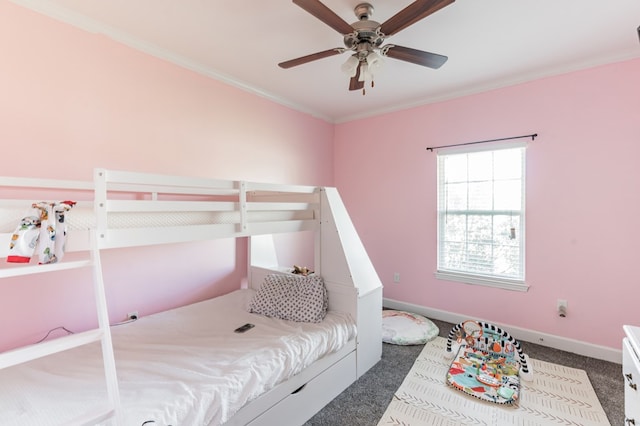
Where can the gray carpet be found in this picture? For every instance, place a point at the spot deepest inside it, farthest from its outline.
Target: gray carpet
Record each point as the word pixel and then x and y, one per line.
pixel 365 401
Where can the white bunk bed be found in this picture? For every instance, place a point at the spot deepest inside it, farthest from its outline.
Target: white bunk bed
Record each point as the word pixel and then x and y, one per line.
pixel 135 209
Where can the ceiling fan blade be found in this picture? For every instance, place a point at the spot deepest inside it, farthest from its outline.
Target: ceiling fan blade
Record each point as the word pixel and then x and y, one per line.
pixel 411 14
pixel 419 57
pixel 326 15
pixel 309 58
pixel 355 83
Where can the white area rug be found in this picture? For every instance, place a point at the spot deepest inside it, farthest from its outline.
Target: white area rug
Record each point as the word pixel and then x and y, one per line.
pixel 557 395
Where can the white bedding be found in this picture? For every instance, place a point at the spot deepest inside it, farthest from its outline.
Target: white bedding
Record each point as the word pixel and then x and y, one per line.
pixel 181 367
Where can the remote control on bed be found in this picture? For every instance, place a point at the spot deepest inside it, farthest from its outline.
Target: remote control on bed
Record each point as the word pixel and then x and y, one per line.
pixel 244 328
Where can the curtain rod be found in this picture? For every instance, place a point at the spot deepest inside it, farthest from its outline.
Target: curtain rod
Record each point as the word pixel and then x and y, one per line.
pixel 533 137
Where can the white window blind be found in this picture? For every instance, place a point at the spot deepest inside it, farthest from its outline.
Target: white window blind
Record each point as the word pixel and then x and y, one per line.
pixel 481 216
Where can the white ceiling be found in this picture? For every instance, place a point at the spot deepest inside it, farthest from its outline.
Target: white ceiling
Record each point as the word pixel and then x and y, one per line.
pixel 490 44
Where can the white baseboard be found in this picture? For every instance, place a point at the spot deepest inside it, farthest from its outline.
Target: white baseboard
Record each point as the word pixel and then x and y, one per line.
pixel 549 340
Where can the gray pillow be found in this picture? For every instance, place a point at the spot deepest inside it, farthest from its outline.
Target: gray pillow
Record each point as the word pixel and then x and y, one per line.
pixel 291 297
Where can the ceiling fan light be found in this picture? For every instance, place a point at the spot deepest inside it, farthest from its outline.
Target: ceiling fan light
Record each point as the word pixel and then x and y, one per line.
pixel 374 61
pixel 365 73
pixel 350 67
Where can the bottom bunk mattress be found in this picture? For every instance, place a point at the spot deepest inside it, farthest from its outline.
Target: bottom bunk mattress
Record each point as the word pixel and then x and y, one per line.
pixel 185 366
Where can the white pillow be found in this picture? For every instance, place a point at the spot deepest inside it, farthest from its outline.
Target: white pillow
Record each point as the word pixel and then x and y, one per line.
pixel 406 328
pixel 291 297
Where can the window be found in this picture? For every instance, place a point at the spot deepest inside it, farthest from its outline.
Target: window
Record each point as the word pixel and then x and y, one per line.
pixel 481 216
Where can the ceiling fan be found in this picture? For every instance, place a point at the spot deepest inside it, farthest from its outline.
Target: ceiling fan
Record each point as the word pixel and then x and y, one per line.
pixel 365 37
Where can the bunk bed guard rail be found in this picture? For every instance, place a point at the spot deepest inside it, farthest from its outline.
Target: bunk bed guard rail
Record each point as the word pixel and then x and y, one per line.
pixel 128 204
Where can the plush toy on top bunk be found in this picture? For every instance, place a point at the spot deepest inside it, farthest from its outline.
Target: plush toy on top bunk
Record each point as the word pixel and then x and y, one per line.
pixel 301 270
pixel 487 362
pixel 44 229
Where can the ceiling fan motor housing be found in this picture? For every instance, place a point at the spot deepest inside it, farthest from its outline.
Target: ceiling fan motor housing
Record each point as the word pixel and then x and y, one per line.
pixel 366 34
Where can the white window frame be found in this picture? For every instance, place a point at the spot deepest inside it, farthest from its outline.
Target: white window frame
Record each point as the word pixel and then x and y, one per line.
pixel 478 279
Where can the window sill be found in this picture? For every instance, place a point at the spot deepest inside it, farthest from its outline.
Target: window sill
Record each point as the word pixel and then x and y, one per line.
pixel 514 285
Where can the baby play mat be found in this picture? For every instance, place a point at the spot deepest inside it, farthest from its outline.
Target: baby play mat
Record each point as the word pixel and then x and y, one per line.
pixel 406 328
pixel 487 362
pixel 556 395
pixel 485 375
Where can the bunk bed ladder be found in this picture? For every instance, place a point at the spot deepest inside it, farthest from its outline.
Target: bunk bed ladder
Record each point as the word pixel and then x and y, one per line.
pixel 87 242
pixel 109 412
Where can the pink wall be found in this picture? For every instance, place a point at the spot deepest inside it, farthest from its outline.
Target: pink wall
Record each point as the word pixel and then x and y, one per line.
pixel 71 101
pixel 582 203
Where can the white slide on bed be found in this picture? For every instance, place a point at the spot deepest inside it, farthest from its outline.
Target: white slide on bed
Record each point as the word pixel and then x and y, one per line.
pixel 187 366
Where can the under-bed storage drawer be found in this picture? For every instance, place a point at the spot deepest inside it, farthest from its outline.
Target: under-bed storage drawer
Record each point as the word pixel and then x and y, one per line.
pixel 295 409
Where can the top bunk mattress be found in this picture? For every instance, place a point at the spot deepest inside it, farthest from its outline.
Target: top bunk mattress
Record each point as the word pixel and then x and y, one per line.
pixel 179 367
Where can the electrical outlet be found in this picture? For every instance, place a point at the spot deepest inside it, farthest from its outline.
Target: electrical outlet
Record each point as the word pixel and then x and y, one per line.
pixel 132 315
pixel 562 308
pixel 396 277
